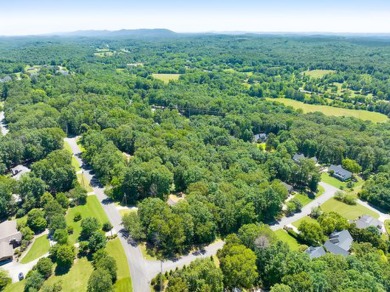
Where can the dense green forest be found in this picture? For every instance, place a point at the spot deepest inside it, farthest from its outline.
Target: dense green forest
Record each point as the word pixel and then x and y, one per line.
pixel 193 136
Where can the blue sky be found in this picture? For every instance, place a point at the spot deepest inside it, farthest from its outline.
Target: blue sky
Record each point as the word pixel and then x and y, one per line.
pixel 44 16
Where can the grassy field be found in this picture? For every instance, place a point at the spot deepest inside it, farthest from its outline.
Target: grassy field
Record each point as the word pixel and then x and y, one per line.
pixel 145 253
pixel 76 279
pixel 166 77
pixel 306 218
pixel 330 180
pixel 318 73
pixel 282 235
pixel 350 212
pixel 305 199
pixel 91 209
pixel 387 226
pixel 16 287
pixel 39 248
pixel 333 111
pixel 115 249
pixel 75 163
pixel 84 182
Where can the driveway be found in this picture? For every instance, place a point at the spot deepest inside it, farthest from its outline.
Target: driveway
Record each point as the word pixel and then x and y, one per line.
pixel 14 268
pixel 306 210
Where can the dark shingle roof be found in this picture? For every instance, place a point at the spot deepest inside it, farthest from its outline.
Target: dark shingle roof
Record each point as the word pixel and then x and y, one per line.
pixel 340 172
pixel 339 242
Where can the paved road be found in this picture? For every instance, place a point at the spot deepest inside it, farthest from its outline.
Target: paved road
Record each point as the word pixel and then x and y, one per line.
pixel 306 210
pixel 142 271
pixel 4 129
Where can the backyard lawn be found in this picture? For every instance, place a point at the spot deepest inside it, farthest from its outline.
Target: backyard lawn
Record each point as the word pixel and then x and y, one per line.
pixel 91 209
pixel 333 111
pixel 282 235
pixel 350 212
pixel 39 248
pixel 115 249
pixel 76 279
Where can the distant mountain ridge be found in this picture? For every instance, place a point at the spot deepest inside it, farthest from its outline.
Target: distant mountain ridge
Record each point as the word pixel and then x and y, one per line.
pixel 157 32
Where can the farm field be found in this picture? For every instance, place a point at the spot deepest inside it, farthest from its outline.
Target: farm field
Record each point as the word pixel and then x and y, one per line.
pixel 166 77
pixel 282 235
pixel 332 111
pixel 350 212
pixel 318 73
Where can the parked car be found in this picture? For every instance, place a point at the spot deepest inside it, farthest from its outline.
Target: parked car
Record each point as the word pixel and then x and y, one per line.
pixel 21 276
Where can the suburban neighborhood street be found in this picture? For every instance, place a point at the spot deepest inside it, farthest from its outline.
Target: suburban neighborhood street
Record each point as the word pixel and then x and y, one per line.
pixel 306 210
pixel 142 271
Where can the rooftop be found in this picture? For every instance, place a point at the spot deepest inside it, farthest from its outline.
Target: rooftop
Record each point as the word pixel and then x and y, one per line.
pixel 339 243
pixel 315 251
pixel 366 221
pixel 8 232
pixel 18 171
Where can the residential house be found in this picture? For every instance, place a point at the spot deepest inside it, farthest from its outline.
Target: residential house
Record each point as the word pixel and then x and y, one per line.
pixel 18 171
pixel 298 157
pixel 260 138
pixel 340 173
pixel 289 188
pixel 366 221
pixel 339 243
pixel 315 251
pixel 10 238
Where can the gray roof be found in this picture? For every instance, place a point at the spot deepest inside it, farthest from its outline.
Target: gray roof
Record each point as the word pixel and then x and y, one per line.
pixel 18 171
pixel 298 157
pixel 366 221
pixel 8 232
pixel 260 136
pixel 339 243
pixel 340 172
pixel 289 188
pixel 6 251
pixel 6 79
pixel 315 251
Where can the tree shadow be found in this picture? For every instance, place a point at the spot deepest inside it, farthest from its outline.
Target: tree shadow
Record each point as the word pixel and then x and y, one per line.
pixel 61 270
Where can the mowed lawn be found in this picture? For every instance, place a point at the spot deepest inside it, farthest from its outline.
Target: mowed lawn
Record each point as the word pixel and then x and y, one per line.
pixel 91 209
pixel 318 73
pixel 40 246
pixel 16 287
pixel 282 235
pixel 166 77
pixel 350 212
pixel 306 218
pixel 305 199
pixel 115 249
pixel 330 180
pixel 75 163
pixel 333 111
pixel 76 279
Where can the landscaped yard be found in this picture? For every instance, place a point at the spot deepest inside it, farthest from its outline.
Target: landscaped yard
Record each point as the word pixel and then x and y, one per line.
pixel 350 212
pixel 115 249
pixel 282 235
pixel 306 218
pixel 330 180
pixel 84 182
pixel 75 163
pixel 318 73
pixel 16 287
pixel 91 209
pixel 40 246
pixel 305 199
pixel 166 77
pixel 76 279
pixel 333 111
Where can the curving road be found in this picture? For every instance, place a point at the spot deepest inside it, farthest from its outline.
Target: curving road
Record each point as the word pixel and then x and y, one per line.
pixel 142 271
pixel 306 210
